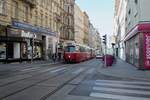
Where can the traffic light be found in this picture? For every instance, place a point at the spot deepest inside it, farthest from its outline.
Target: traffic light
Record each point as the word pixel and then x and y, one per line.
pixel 105 39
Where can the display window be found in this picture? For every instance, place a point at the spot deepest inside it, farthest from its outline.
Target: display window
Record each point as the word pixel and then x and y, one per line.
pixel 2 50
pixel 131 50
pixel 24 50
pixel 136 50
pixel 37 52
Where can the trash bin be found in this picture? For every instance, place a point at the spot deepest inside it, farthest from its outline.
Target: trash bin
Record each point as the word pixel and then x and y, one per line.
pixel 109 60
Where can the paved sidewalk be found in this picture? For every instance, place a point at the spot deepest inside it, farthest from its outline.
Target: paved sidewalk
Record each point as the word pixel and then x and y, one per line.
pixel 125 70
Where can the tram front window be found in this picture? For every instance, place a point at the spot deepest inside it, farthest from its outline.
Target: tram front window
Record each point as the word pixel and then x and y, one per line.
pixel 70 49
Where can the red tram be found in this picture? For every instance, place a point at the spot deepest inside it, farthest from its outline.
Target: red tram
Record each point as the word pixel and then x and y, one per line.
pixel 77 53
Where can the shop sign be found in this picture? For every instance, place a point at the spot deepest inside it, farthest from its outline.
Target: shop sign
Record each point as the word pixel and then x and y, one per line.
pixel 147 51
pixel 32 28
pixel 13 32
pixel 28 34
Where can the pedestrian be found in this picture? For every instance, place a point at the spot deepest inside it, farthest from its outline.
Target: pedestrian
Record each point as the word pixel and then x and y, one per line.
pixel 54 57
pixel 59 56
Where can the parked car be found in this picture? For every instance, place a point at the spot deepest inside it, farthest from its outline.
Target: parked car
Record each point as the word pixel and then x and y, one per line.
pixel 99 56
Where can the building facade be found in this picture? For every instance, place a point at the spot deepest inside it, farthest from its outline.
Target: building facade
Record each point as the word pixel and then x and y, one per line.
pixel 79 24
pixel 68 21
pixel 94 40
pixel 137 33
pixel 91 36
pixel 32 29
pixel 132 27
pixel 86 28
pixel 119 28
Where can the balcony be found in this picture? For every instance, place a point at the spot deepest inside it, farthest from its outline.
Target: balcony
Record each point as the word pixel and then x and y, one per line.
pixel 32 3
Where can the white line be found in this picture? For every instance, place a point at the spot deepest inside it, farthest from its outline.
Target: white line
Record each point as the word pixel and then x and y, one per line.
pixel 53 68
pixel 54 71
pixel 122 85
pixel 30 69
pixel 90 70
pixel 131 82
pixel 78 71
pixel 119 97
pixel 121 90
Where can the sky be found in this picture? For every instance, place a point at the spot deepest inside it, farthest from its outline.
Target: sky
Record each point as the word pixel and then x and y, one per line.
pixel 100 13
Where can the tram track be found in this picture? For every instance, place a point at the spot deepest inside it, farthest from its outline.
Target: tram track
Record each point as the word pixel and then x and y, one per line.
pixel 49 76
pixel 71 68
pixel 39 72
pixel 28 69
pixel 64 84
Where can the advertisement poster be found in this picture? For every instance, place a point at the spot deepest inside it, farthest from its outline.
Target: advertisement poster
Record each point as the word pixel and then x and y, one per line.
pixel 147 51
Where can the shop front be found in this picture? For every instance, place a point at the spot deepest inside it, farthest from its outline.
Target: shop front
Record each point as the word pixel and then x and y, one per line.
pixel 20 45
pixel 22 42
pixel 137 43
pixel 2 43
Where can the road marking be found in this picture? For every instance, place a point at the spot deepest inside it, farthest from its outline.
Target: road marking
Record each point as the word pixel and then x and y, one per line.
pixel 119 97
pixel 49 69
pixel 78 71
pixel 90 71
pixel 54 71
pixel 131 82
pixel 121 90
pixel 122 85
pixel 30 69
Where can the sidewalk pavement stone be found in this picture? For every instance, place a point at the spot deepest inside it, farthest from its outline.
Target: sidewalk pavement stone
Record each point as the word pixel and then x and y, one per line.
pixel 125 70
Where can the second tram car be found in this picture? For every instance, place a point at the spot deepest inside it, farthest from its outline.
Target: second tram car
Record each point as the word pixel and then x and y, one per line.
pixel 77 53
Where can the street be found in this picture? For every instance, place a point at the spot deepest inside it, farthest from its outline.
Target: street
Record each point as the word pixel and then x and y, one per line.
pixel 81 81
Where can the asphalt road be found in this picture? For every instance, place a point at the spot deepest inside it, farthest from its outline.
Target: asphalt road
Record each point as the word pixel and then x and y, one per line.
pixel 80 81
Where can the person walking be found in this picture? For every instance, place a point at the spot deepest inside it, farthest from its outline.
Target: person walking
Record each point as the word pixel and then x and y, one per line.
pixel 54 57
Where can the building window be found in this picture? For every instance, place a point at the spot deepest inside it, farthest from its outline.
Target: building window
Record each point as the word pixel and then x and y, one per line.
pixel 15 9
pixel 26 12
pixel 3 7
pixel 36 18
pixel 41 20
pixel 136 1
pixel 46 21
pixel 129 12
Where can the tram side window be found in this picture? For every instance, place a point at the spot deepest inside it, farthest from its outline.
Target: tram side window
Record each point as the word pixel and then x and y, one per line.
pixel 70 49
pixel 82 49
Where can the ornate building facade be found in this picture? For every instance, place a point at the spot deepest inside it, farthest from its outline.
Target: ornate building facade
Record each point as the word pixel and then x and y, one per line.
pixel 32 29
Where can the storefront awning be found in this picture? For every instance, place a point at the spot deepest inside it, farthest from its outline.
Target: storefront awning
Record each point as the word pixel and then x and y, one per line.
pixel 142 27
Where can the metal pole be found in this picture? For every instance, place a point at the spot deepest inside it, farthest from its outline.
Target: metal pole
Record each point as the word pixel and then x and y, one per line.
pixel 32 49
pixel 105 55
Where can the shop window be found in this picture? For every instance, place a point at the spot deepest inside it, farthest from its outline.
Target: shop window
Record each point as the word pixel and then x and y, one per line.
pixel 131 51
pixel 136 51
pixel 37 52
pixel 24 50
pixel 3 7
pixel 2 51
